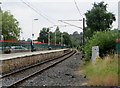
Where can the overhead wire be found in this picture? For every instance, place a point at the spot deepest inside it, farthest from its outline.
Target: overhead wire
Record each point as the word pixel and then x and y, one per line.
pixel 78 8
pixel 43 13
pixel 37 12
pixel 31 7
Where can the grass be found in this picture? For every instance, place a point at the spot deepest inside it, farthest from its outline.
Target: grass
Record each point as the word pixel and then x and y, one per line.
pixel 104 72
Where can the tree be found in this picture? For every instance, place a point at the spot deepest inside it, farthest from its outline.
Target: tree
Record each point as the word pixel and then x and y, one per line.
pixel 104 39
pixel 43 35
pixel 10 26
pixel 98 18
pixel 88 33
pixel 75 33
pixel 58 35
pixel 67 39
pixel 76 38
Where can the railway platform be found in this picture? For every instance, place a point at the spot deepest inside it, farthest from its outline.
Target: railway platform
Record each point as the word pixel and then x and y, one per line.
pixel 14 61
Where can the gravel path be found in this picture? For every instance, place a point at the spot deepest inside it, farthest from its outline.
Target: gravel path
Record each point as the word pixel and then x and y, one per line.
pixel 66 73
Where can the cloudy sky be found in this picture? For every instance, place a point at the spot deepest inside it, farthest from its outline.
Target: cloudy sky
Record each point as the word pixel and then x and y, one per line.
pixel 49 12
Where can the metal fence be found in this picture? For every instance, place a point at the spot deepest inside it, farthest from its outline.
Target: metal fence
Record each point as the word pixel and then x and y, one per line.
pixel 25 44
pixel 118 46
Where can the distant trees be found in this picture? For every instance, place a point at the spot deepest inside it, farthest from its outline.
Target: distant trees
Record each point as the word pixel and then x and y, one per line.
pixel 67 39
pixel 58 36
pixel 77 38
pixel 98 18
pixel 43 35
pixel 10 26
pixel 64 38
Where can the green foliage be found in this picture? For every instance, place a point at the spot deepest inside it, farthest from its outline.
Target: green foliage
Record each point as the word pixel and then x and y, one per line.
pixel 105 40
pixel 43 35
pixel 10 26
pixel 66 39
pixel 104 72
pixel 98 18
pixel 88 33
pixel 76 39
pixel 63 38
pixel 58 36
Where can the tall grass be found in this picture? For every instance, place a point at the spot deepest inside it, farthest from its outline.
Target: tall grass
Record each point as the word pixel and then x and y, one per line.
pixel 103 73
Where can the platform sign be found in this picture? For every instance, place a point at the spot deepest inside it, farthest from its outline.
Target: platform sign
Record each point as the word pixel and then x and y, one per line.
pixel 95 53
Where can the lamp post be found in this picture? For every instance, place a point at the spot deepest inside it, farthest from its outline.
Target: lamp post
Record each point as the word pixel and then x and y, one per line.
pixel 32 47
pixel 21 36
pixel 32 27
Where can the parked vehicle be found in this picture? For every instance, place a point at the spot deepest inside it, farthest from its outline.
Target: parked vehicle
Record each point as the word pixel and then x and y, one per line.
pixel 18 48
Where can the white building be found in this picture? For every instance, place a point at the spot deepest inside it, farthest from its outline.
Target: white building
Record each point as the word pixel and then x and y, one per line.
pixel 119 15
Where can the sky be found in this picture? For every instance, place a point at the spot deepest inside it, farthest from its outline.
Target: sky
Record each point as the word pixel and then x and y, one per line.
pixel 49 12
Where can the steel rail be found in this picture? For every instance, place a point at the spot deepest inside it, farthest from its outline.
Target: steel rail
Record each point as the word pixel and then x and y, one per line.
pixel 51 63
pixel 30 66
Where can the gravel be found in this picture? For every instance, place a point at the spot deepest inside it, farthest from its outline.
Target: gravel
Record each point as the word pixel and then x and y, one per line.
pixel 66 73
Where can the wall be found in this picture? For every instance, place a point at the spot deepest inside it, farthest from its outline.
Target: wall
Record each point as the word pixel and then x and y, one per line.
pixel 19 62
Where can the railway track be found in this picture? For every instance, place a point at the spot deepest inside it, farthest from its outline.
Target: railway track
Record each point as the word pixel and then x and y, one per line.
pixel 15 78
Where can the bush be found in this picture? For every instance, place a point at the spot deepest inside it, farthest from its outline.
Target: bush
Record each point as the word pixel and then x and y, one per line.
pixel 105 40
pixel 103 73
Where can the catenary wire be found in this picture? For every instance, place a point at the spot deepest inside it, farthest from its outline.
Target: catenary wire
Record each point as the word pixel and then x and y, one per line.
pixel 78 8
pixel 37 12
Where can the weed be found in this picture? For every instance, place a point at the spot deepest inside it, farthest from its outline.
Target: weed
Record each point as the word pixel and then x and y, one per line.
pixel 104 72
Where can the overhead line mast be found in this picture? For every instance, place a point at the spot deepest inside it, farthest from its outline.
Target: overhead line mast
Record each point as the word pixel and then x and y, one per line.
pixel 76 26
